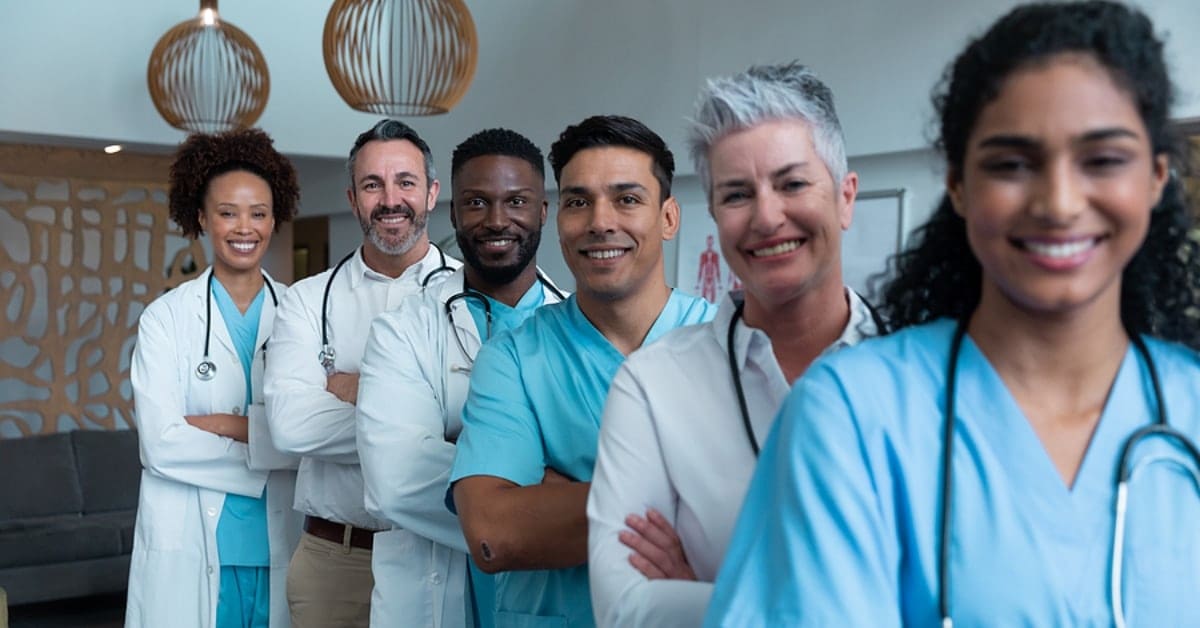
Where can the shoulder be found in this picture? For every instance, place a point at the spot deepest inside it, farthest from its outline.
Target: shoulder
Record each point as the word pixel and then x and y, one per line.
pixel 416 311
pixel 682 344
pixel 179 299
pixel 691 309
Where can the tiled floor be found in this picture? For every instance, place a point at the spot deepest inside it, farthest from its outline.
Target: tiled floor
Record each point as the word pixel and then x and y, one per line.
pixel 102 611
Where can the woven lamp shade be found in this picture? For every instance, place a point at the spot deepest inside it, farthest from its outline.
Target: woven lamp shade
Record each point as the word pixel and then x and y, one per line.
pixel 400 57
pixel 206 75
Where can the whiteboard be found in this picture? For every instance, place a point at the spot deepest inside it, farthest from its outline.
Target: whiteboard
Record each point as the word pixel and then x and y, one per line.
pixel 875 234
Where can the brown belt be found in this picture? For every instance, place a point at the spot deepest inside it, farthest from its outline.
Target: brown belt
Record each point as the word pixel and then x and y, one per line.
pixel 343 533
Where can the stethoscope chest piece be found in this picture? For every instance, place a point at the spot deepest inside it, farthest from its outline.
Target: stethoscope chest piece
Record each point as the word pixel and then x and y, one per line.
pixel 206 370
pixel 327 357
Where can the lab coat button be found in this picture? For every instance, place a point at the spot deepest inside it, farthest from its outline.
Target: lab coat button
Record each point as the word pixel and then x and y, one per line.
pixel 436 578
pixel 237 409
pixel 210 570
pixel 212 512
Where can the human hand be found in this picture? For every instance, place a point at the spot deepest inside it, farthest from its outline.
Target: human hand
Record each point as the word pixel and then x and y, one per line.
pixel 657 550
pixel 344 386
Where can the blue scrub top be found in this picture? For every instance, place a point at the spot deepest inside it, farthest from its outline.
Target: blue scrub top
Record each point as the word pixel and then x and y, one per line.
pixel 504 318
pixel 840 523
pixel 242 528
pixel 537 395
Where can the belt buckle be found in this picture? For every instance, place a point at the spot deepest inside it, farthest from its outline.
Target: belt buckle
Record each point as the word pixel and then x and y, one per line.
pixel 347 532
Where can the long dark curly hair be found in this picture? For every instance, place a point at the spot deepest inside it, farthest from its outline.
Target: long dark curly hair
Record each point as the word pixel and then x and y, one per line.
pixel 939 276
pixel 202 158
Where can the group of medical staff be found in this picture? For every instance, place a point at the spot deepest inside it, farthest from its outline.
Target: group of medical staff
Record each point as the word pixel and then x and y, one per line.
pixel 1005 437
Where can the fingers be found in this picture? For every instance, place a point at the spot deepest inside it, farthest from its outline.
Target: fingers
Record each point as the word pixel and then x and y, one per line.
pixel 646 558
pixel 659 532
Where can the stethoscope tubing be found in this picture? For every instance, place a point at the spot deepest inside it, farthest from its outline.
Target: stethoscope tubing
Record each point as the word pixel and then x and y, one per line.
pixel 468 292
pixel 736 375
pixel 206 369
pixel 327 354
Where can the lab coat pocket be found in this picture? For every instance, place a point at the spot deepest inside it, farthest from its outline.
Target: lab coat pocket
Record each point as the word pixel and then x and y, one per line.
pixel 509 619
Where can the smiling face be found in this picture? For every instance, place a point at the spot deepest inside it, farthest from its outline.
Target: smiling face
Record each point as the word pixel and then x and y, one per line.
pixel 779 213
pixel 498 207
pixel 238 218
pixel 612 222
pixel 391 197
pixel 1057 185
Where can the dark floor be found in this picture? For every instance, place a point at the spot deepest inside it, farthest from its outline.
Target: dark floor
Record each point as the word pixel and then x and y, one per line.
pixel 101 611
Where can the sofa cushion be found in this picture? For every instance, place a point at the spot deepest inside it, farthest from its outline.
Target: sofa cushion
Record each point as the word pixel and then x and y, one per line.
pixel 122 521
pixel 66 540
pixel 109 469
pixel 40 477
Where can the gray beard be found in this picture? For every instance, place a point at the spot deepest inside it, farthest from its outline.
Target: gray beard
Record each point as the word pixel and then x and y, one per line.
pixel 391 247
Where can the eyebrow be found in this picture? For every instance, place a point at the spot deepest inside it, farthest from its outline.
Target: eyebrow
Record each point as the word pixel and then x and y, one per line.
pixel 778 172
pixel 523 189
pixel 225 204
pixel 1022 141
pixel 399 176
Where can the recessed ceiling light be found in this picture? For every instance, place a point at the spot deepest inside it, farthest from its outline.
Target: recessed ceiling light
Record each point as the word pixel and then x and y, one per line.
pixel 113 148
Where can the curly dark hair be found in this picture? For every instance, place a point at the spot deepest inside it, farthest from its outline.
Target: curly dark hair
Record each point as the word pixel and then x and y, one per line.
pixel 938 275
pixel 601 131
pixel 498 142
pixel 203 157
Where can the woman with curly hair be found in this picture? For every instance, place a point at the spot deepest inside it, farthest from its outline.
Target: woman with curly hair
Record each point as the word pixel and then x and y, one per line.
pixel 965 467
pixel 215 525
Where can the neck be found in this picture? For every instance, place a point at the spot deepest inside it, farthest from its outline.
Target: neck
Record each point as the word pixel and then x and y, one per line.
pixel 242 285
pixel 802 328
pixel 507 293
pixel 625 321
pixel 394 265
pixel 1075 350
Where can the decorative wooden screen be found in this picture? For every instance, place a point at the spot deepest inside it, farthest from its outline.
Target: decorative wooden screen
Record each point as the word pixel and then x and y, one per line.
pixel 80 259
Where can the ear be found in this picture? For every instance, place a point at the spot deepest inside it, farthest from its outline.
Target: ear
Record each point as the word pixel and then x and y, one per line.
pixel 954 192
pixel 1162 173
pixel 453 217
pixel 545 207
pixel 431 198
pixel 847 192
pixel 353 201
pixel 670 218
pixel 202 218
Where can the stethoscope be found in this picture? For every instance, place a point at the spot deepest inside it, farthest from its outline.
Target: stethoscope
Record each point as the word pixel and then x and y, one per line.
pixel 470 293
pixel 327 354
pixel 734 371
pixel 1160 427
pixel 207 369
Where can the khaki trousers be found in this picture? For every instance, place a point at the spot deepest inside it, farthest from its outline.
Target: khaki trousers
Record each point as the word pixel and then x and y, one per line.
pixel 329 585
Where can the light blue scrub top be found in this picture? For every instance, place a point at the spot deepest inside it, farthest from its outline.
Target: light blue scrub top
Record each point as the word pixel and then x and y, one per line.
pixel 537 395
pixel 840 524
pixel 504 318
pixel 242 528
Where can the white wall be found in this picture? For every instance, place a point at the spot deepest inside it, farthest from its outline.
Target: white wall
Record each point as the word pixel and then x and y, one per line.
pixel 77 67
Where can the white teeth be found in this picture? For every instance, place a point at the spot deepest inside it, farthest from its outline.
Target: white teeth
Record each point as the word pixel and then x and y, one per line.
pixel 778 249
pixel 243 247
pixel 499 243
pixel 392 219
pixel 1059 250
pixel 606 254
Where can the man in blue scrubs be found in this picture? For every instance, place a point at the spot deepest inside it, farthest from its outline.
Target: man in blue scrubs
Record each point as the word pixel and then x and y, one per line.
pixel 532 417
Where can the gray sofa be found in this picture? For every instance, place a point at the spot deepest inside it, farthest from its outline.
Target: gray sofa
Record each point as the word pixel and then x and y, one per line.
pixel 67 508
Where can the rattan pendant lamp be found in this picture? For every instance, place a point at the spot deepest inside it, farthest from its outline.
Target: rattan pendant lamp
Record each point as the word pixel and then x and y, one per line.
pixel 400 57
pixel 206 75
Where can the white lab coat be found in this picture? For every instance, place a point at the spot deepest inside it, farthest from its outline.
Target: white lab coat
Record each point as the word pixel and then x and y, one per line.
pixel 413 385
pixel 174 575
